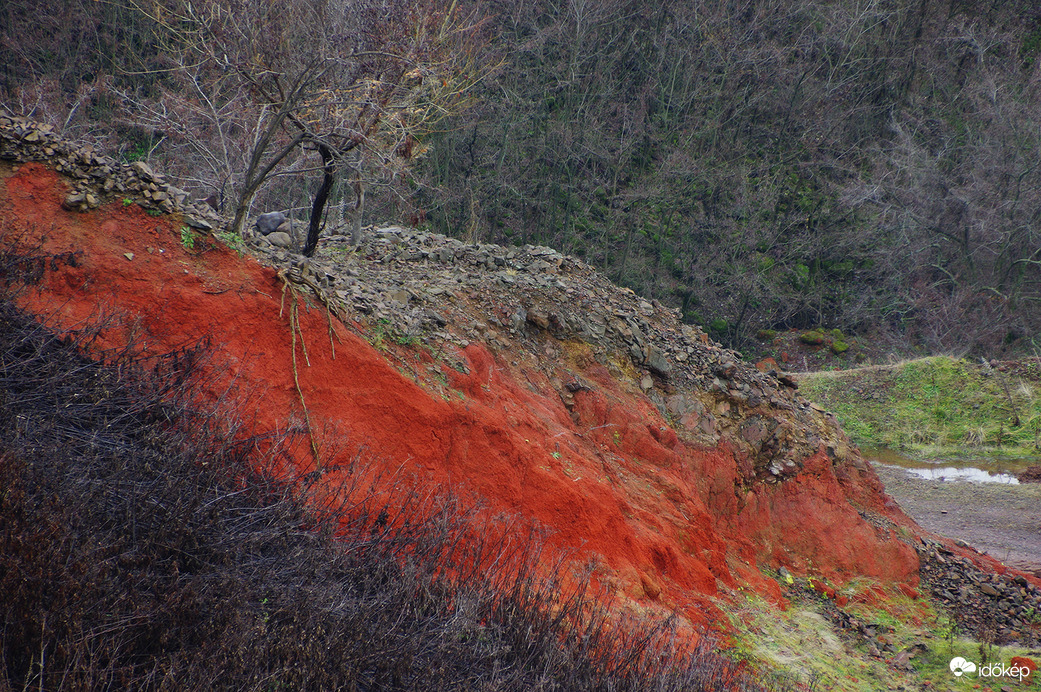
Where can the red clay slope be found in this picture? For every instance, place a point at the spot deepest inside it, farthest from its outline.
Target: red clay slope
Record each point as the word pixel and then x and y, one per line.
pixel 668 522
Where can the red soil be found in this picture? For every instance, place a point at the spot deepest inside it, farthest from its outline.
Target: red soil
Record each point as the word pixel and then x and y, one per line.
pixel 670 523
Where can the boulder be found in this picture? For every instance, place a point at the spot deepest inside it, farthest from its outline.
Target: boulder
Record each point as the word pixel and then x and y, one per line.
pixel 657 361
pixel 268 223
pixel 280 239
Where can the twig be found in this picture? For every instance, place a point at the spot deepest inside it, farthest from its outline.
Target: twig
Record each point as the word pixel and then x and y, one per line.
pixel 294 326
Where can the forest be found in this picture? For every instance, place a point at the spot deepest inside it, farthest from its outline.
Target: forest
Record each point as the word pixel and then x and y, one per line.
pixel 763 165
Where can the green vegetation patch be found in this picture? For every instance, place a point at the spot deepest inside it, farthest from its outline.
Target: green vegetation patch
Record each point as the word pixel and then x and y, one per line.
pixel 937 406
pixel 911 645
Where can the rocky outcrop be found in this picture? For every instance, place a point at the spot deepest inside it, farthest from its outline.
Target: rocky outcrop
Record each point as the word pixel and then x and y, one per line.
pixel 434 287
pixel 997 607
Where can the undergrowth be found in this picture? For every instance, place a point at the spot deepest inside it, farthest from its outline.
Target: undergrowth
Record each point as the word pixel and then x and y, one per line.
pixel 149 542
pixel 937 406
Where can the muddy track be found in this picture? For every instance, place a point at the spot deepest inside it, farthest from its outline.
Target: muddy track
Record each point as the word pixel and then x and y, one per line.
pixel 1001 520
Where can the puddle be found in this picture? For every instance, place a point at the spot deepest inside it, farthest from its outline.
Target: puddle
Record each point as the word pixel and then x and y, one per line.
pixel 966 473
pixel 967 470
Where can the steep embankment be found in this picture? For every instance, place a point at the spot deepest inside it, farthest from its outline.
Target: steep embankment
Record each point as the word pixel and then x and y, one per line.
pixel 516 375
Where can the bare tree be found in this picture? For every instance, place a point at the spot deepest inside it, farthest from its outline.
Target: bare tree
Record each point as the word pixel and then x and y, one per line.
pixel 358 84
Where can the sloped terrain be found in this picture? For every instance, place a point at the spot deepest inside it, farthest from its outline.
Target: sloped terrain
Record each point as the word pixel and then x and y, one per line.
pixel 147 544
pixel 518 376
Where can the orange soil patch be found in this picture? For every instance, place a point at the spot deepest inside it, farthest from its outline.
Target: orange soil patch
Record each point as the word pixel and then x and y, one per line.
pixel 669 523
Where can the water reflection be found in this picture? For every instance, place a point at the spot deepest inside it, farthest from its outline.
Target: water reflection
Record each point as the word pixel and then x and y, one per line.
pixel 1001 470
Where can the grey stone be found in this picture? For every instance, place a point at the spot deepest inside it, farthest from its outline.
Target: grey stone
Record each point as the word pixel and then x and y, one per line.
pixel 268 223
pixel 518 319
pixel 657 361
pixel 74 200
pixel 196 222
pixel 538 318
pixel 143 170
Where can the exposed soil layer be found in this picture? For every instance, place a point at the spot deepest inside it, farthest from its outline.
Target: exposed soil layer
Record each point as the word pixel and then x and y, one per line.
pixel 1031 475
pixel 667 523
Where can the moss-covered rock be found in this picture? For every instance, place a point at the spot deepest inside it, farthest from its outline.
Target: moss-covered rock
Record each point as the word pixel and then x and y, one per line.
pixel 812 338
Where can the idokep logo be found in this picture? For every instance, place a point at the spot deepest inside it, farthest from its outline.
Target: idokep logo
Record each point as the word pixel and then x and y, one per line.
pixel 959 666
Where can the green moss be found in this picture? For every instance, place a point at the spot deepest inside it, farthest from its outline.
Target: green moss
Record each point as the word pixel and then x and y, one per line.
pixel 718 326
pixel 766 334
pixel 813 338
pixel 839 346
pixel 801 644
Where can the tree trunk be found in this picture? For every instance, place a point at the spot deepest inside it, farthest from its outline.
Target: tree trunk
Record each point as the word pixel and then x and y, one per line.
pixel 320 198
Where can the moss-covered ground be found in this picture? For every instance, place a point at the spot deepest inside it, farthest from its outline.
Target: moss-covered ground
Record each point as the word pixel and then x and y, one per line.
pixel 937 406
pixel 909 646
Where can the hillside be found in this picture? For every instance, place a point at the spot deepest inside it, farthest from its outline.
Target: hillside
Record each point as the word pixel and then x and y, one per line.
pixel 678 475
pixel 939 407
pixel 767 165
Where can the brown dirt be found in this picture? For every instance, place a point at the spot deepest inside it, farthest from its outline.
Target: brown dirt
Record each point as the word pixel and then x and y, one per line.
pixel 1003 521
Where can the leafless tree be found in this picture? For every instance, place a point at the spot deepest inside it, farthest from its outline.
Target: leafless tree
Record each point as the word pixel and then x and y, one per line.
pixel 359 84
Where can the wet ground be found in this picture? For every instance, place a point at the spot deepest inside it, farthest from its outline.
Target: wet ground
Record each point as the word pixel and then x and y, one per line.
pixel 980 503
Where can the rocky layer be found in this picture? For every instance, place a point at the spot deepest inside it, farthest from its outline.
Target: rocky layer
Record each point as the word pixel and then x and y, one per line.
pixel 999 607
pixel 432 287
pixel 94 178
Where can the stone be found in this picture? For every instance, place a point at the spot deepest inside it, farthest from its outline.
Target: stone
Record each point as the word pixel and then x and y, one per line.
pixel 279 239
pixel 74 200
pixel 538 318
pixel 197 223
pixel 657 362
pixel 268 223
pixel 143 170
pixel 517 319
